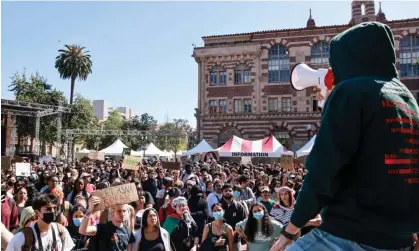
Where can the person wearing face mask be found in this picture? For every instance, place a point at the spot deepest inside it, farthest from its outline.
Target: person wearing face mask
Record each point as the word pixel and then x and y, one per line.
pixel 259 230
pixel 76 216
pixel 218 235
pixel 236 196
pixel 45 234
pixel 216 195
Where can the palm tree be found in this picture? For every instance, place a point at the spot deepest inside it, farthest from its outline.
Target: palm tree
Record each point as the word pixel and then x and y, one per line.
pixel 73 63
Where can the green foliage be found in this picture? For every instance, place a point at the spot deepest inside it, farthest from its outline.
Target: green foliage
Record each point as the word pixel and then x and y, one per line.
pixel 82 117
pixel 73 63
pixel 178 140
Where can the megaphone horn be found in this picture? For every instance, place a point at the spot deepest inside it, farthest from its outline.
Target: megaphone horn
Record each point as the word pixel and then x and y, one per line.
pixel 303 77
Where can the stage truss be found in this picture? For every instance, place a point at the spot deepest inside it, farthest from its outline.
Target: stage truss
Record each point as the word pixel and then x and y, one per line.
pixel 28 109
pixel 71 133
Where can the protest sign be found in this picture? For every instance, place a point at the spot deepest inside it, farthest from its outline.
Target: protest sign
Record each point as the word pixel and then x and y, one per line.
pixel 171 165
pixel 23 169
pixel 287 161
pixel 131 162
pixel 96 156
pixel 117 195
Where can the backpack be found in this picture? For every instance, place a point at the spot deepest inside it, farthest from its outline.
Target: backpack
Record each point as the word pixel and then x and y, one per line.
pixel 97 245
pixel 30 238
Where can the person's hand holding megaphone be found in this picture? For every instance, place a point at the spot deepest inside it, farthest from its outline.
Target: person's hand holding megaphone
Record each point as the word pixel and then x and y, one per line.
pixel 319 95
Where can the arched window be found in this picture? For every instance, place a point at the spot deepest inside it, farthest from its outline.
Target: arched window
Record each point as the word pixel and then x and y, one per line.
pixel 218 75
pixel 278 64
pixel 282 135
pixel 409 56
pixel 320 54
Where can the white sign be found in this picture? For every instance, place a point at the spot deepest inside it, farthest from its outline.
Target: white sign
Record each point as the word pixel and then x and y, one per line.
pixel 23 169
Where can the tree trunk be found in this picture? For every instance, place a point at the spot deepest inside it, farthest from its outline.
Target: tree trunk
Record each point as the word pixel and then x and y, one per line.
pixel 73 83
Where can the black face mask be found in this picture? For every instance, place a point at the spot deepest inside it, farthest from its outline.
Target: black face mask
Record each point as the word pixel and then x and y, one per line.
pixel 49 217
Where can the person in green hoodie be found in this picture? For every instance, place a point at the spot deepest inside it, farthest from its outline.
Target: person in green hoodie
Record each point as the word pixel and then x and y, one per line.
pixel 363 169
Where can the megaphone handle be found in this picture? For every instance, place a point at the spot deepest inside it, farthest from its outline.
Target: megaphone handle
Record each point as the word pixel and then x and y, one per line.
pixel 323 92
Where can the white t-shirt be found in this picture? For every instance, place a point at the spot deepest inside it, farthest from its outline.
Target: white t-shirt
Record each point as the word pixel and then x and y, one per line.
pixel 18 240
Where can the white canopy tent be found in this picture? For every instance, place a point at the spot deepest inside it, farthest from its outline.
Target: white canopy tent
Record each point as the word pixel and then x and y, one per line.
pixel 151 150
pixel 84 150
pixel 306 149
pixel 165 153
pixel 115 149
pixel 202 147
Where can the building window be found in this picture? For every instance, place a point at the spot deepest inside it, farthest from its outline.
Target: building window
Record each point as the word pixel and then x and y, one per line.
pixel 247 106
pixel 278 64
pixel 223 77
pixel 282 136
pixel 238 106
pixel 273 104
pixel 242 74
pixel 409 56
pixel 222 106
pixel 218 76
pixel 286 104
pixel 314 104
pixel 213 105
pixel 320 54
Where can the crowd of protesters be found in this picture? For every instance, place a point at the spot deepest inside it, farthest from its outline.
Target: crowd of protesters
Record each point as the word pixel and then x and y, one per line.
pixel 203 206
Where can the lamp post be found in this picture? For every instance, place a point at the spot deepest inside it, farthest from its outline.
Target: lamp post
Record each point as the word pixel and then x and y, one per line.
pixel 309 127
pixel 143 146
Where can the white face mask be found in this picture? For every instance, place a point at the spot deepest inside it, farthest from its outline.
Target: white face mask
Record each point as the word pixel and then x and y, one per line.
pixel 277 189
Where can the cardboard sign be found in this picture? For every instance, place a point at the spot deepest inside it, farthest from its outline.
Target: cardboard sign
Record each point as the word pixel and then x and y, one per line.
pixel 6 162
pixel 171 165
pixel 131 162
pixel 96 156
pixel 117 195
pixel 287 161
pixel 23 169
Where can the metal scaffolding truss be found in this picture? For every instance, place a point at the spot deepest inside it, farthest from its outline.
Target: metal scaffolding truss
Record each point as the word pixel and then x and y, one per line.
pixel 29 109
pixel 71 133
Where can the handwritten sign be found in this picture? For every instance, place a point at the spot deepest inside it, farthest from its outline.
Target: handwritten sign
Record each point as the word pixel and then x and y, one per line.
pixel 96 156
pixel 117 195
pixel 23 169
pixel 6 163
pixel 131 162
pixel 287 161
pixel 171 165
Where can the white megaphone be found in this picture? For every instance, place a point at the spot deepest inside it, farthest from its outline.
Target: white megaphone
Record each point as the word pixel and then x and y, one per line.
pixel 302 77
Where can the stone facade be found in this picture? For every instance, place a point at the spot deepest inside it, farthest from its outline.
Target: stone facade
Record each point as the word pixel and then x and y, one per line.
pixel 250 51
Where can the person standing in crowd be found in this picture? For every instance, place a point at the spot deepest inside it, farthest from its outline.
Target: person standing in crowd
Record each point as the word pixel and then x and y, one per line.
pixel 283 209
pixel 246 193
pixel 362 152
pixel 234 211
pixel 46 234
pixel 90 188
pixel 21 198
pixel 167 183
pixel 259 230
pixel 112 236
pixel 52 182
pixel 181 226
pixel 79 189
pixel 216 195
pixel 27 218
pixel 151 236
pixel 76 216
pixel 9 212
pixel 198 208
pixel 218 235
pixel 266 199
pixel 167 208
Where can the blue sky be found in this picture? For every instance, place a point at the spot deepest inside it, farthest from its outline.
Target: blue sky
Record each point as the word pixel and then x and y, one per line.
pixel 141 51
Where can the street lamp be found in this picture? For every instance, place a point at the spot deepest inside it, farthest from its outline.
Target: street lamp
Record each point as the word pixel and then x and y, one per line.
pixel 143 146
pixel 309 127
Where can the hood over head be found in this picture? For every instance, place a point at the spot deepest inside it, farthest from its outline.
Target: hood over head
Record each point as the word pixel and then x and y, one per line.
pixel 366 49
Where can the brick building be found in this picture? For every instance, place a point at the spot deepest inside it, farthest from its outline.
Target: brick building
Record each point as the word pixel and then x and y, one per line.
pixel 243 79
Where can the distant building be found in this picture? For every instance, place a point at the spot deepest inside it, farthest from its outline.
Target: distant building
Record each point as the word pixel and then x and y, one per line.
pixel 243 79
pixel 102 111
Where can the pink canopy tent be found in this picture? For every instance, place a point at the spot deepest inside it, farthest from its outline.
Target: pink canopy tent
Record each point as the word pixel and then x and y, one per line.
pixel 267 147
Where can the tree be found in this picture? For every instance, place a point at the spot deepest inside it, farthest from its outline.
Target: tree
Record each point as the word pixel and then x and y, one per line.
pixel 83 117
pixel 113 122
pixel 173 135
pixel 73 63
pixel 145 122
pixel 35 89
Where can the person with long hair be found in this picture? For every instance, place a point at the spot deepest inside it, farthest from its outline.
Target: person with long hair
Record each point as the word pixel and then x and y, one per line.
pixel 151 236
pixel 79 188
pixel 76 217
pixel 218 234
pixel 259 229
pixel 283 209
pixel 21 197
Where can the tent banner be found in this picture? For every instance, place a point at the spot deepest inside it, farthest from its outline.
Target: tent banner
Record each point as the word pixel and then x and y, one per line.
pixel 96 156
pixel 250 154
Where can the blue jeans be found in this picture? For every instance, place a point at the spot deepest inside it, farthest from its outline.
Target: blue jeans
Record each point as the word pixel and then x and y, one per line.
pixel 318 240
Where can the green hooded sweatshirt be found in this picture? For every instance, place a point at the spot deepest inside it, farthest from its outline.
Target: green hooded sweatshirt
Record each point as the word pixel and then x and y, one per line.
pixel 363 169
